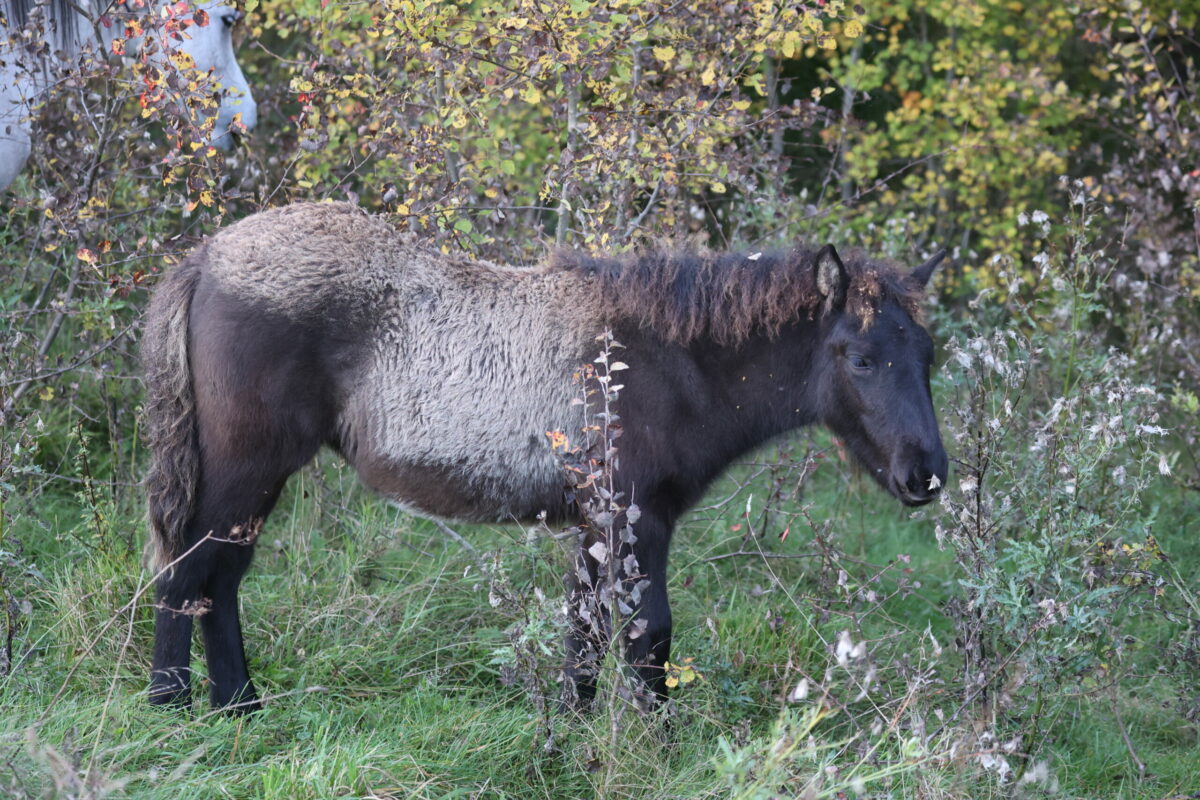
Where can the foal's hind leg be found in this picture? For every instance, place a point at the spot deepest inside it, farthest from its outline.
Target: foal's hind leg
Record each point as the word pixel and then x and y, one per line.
pixel 233 502
pixel 178 595
pixel 246 507
pixel 260 414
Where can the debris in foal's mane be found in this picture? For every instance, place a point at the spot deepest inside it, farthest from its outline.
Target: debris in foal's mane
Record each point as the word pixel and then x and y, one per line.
pixel 683 295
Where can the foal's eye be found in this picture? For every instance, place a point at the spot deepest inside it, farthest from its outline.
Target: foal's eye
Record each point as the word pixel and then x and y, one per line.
pixel 229 20
pixel 859 363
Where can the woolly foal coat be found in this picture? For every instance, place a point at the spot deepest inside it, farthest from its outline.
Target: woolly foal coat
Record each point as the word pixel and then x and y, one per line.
pixel 438 377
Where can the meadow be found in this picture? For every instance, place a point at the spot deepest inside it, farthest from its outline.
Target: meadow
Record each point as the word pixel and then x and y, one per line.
pixel 1035 633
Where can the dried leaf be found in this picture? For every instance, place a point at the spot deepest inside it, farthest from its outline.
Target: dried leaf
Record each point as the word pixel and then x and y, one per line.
pixel 599 551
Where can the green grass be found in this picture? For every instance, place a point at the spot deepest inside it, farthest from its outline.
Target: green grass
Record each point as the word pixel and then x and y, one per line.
pixel 373 637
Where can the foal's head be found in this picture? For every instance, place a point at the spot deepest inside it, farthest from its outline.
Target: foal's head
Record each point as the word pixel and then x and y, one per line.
pixel 874 392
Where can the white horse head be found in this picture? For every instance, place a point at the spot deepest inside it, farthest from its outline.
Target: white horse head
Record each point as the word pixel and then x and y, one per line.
pixel 207 39
pixel 211 48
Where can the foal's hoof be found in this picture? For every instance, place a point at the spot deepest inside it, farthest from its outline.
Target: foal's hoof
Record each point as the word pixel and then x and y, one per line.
pixel 172 697
pixel 244 701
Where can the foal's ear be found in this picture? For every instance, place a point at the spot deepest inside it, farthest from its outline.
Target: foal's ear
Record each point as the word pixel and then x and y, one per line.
pixel 832 277
pixel 923 273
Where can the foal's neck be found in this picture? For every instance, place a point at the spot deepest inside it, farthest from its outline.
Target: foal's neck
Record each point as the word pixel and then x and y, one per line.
pixel 768 383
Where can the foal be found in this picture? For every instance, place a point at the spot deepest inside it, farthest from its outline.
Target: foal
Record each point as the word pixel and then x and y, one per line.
pixel 437 377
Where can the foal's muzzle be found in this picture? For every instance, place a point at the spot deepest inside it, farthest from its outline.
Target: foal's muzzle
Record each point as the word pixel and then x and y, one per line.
pixel 922 481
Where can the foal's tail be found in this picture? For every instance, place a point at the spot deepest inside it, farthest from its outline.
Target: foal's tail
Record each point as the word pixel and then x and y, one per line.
pixel 170 412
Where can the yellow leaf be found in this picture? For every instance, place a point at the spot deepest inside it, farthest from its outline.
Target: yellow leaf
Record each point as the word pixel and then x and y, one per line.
pixel 708 76
pixel 854 29
pixel 182 60
pixel 46 393
pixel 718 187
pixel 791 40
pixel 664 54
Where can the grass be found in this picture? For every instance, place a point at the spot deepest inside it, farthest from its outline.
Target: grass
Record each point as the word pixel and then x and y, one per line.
pixel 385 662
pixel 373 636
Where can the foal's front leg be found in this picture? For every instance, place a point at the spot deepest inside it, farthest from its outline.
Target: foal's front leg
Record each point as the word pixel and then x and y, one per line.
pixel 650 651
pixel 589 634
pixel 587 631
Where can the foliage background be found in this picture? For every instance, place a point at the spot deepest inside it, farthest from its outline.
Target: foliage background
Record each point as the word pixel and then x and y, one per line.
pixel 1037 634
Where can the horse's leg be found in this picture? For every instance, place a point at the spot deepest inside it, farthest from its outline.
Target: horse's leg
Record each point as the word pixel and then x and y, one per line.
pixel 178 596
pixel 649 652
pixel 256 440
pixel 234 500
pixel 589 633
pixel 241 515
pixel 261 413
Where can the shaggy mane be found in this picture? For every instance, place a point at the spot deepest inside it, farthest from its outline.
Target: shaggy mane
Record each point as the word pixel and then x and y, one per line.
pixel 727 296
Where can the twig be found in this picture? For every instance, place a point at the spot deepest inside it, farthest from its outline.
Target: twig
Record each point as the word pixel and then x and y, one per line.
pixel 1116 706
pixel 145 587
pixel 23 384
pixel 741 487
pixel 458 537
pixel 633 226
pixel 758 554
pixel 568 155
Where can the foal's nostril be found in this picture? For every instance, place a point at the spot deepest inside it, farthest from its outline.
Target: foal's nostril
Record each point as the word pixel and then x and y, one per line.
pixel 923 483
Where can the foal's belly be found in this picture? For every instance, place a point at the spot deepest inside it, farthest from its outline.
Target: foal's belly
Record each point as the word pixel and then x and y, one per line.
pixel 469 492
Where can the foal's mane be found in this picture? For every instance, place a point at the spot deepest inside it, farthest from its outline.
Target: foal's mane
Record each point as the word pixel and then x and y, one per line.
pixel 683 295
